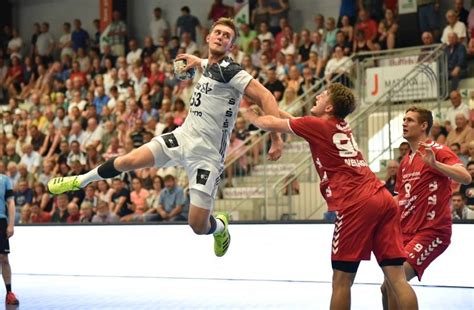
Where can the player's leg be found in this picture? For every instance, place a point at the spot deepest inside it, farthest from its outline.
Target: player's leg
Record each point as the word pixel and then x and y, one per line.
pixel 342 279
pixel 400 294
pixel 204 223
pixel 5 263
pixel 147 155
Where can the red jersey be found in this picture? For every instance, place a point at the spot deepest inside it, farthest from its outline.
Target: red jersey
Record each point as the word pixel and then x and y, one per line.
pixel 345 177
pixel 424 193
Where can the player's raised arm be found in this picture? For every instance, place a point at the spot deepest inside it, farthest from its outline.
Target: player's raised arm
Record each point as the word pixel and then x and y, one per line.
pixel 264 98
pixel 191 61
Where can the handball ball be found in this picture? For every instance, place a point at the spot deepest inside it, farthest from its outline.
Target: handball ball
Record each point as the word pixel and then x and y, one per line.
pixel 179 65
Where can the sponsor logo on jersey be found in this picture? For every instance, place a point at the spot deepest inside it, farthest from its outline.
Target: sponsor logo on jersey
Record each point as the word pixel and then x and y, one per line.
pixel 202 176
pixel 431 215
pixel 170 140
pixel 204 87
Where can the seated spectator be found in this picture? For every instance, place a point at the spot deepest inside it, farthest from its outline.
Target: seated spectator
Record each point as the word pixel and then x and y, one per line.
pixel 180 112
pixel 86 213
pixel 338 68
pixel 347 28
pixel 274 85
pixel 308 83
pixel 114 149
pixel 31 159
pixel 246 36
pixel 454 26
pixel 331 32
pixel 462 134
pixel 403 150
pixel 73 213
pixel 172 201
pixel 134 53
pixel 138 197
pixel 460 210
pixel 438 133
pixel 218 10
pixel 104 192
pixel 38 215
pixel 457 107
pixel 60 213
pixel 264 33
pixel 367 25
pixel 10 155
pixel 470 150
pixel 169 123
pixel 153 198
pixel 260 14
pixel 76 154
pixel 90 196
pixel 456 148
pixel 468 190
pixel 322 50
pixel 103 214
pixel 25 215
pixel 92 135
pixel 42 198
pixel 457 60
pixel 236 152
pixel 387 31
pixel 361 44
pixel 343 43
pixel 121 204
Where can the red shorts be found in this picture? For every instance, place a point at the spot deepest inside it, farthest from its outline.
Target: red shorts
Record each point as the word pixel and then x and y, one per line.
pixel 423 247
pixel 373 226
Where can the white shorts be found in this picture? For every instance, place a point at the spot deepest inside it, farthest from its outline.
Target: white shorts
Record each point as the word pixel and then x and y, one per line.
pixel 203 172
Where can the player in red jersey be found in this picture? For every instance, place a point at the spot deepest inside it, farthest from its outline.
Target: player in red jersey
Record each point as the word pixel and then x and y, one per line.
pixel 424 193
pixel 367 216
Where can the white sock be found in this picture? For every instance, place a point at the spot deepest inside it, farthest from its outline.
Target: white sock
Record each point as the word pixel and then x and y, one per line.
pixel 91 176
pixel 219 226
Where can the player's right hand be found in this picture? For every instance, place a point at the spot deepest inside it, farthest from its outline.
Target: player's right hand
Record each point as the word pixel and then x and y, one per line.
pixel 191 61
pixel 276 149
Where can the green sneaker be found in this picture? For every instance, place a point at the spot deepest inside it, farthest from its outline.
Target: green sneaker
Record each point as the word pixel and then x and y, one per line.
pixel 222 239
pixel 61 185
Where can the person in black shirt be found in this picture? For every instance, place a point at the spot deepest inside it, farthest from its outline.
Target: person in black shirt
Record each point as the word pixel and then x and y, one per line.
pixel 121 202
pixel 274 85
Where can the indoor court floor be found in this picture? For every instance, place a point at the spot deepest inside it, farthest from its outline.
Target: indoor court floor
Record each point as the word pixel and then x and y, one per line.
pixel 91 292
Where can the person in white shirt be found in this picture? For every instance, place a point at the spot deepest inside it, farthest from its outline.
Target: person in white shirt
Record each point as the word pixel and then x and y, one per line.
pixel 454 25
pixel 338 64
pixel 65 43
pixel 135 52
pixel 76 134
pixel 138 79
pixel 188 43
pixel 287 47
pixel 159 27
pixel 457 107
pixel 15 44
pixel 31 158
pixel 45 41
pixel 93 134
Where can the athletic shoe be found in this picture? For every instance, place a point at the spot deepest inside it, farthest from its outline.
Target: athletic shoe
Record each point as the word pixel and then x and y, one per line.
pixel 222 239
pixel 61 185
pixel 11 299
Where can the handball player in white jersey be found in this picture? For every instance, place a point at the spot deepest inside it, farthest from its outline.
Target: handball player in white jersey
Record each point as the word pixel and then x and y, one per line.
pixel 200 144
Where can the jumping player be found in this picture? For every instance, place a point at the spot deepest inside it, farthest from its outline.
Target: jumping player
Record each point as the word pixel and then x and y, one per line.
pixel 424 193
pixel 7 222
pixel 367 216
pixel 200 143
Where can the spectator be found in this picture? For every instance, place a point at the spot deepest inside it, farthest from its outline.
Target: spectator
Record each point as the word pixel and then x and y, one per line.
pixel 138 197
pixel 159 26
pixel 387 31
pixel 343 43
pixel 391 179
pixel 468 190
pixel 264 33
pixel 13 174
pixel 15 44
pixel 37 137
pixel 457 60
pixel 180 112
pixel 117 33
pixel 10 155
pixel 76 154
pixel 331 32
pixel 460 210
pixel 403 150
pixel 153 198
pixel 73 213
pixel 23 195
pixel 322 50
pixel 47 172
pixel 461 13
pixel 338 68
pixel 347 28
pixel 438 133
pixel 260 14
pixel 187 23
pixel 134 54
pixel 428 16
pixel 42 198
pixel 462 134
pixel 104 192
pixel 246 36
pixel 171 202
pixel 31 158
pixel 456 148
pixel 305 47
pixel 274 85
pixel 457 107
pixel 120 204
pixel 45 44
pixel 103 215
pixel 65 41
pixel 38 215
pixel 454 25
pixel 373 7
pixel 347 9
pixel 218 10
pixel 86 213
pixel 319 25
pixel 367 24
pixel 278 9
pixel 79 37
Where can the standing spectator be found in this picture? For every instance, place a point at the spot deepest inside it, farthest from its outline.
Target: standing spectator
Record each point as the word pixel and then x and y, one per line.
pixel 454 25
pixel 387 32
pixel 373 7
pixel 322 50
pixel 347 28
pixel 460 11
pixel 278 9
pixel 319 25
pixel 331 32
pixel 159 27
pixel 65 41
pixel 34 38
pixel 429 16
pixel 117 34
pixel 460 210
pixel 467 190
pixel 79 37
pixel 45 44
pixel 218 10
pixel 260 14
pixel 15 44
pixel 457 60
pixel 7 222
pixel 457 107
pixel 187 23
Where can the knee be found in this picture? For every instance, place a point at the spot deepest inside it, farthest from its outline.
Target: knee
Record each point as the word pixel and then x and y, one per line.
pixel 3 259
pixel 125 162
pixel 383 289
pixel 198 227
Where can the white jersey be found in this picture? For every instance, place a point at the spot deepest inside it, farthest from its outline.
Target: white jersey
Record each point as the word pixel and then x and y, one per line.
pixel 214 107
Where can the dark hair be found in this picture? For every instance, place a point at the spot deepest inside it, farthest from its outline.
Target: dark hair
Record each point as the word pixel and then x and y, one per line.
pixel 470 163
pixel 157 9
pixel 186 9
pixel 404 143
pixel 169 177
pixel 459 195
pixel 455 144
pixel 159 179
pixel 343 100
pixel 424 115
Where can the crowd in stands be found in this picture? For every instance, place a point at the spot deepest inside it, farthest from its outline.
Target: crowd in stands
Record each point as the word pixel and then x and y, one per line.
pixel 69 103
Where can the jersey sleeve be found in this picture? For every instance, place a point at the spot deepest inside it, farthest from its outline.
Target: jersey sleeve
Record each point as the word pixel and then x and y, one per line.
pixel 8 189
pixel 306 127
pixel 240 80
pixel 446 156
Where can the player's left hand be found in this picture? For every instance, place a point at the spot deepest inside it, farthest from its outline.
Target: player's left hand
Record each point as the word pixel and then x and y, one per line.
pixel 191 61
pixel 429 156
pixel 276 149
pixel 10 231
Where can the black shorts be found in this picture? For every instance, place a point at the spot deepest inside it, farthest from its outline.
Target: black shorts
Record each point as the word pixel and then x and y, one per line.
pixel 4 242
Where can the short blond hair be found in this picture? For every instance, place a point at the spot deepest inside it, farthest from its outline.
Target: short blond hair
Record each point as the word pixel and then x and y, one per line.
pixel 228 22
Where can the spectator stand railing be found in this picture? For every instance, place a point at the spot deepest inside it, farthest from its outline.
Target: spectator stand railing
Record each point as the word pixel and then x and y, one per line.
pixel 376 125
pixel 250 196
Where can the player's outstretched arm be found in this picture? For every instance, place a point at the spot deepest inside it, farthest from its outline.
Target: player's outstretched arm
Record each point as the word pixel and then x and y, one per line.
pixel 268 122
pixel 284 114
pixel 264 98
pixel 456 172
